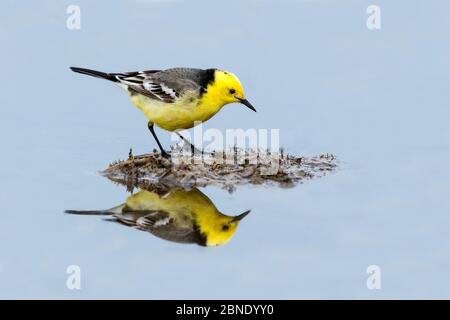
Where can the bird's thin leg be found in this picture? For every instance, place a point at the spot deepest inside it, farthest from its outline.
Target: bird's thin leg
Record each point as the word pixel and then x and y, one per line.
pixel 193 148
pixel 152 130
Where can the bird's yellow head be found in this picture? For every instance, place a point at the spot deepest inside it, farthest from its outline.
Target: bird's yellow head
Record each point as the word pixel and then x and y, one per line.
pixel 227 88
pixel 220 230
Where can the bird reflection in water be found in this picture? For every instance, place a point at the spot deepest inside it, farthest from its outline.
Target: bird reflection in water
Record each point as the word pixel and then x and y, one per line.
pixel 183 216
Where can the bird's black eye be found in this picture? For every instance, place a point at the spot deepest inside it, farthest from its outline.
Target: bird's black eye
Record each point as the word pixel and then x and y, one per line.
pixel 225 227
pixel 232 91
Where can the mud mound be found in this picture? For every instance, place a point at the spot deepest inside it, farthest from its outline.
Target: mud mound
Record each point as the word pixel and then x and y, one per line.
pixel 225 169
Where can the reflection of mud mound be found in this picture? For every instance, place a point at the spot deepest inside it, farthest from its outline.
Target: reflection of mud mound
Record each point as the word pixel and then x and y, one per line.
pixel 238 168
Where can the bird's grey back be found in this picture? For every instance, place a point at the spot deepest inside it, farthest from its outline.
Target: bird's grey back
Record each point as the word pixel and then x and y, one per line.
pixel 182 76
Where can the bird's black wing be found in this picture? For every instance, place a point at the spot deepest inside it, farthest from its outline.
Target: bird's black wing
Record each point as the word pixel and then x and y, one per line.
pixel 162 225
pixel 166 85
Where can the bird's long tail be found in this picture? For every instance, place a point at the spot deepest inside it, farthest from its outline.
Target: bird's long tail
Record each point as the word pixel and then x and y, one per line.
pixel 107 212
pixel 90 212
pixel 95 73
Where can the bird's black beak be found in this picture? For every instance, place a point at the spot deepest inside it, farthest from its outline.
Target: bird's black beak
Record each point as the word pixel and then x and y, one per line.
pixel 247 103
pixel 241 216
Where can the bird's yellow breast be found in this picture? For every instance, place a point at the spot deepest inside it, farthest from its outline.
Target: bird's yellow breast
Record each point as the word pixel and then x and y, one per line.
pixel 181 114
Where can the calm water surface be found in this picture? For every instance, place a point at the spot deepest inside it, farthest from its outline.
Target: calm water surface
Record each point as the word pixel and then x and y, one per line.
pixel 376 99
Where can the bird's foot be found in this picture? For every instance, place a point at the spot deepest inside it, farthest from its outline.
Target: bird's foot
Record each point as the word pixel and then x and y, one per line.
pixel 165 154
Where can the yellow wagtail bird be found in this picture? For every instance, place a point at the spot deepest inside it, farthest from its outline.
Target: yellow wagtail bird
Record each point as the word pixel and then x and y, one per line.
pixel 179 216
pixel 178 98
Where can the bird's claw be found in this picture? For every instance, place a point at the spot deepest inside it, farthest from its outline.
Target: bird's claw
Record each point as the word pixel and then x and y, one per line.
pixel 165 155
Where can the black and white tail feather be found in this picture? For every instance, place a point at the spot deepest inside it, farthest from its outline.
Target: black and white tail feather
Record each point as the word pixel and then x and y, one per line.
pixel 135 82
pixel 141 219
